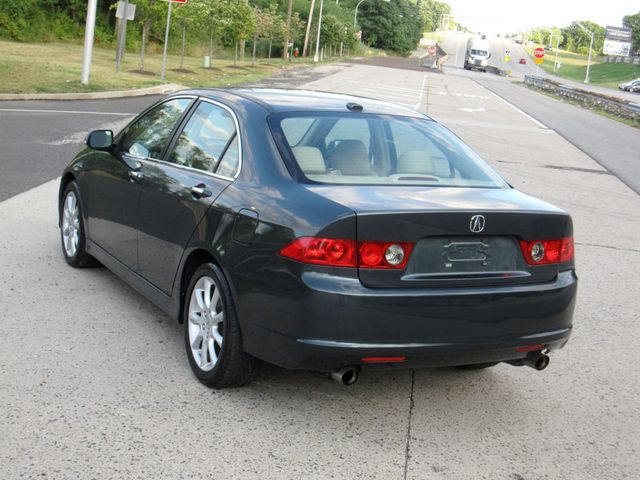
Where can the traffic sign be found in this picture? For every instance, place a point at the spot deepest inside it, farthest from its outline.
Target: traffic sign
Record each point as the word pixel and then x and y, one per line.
pixel 538 60
pixel 431 51
pixel 538 52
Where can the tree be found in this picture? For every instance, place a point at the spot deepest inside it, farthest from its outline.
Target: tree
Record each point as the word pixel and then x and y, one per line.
pixel 431 12
pixel 394 26
pixel 577 40
pixel 633 22
pixel 147 12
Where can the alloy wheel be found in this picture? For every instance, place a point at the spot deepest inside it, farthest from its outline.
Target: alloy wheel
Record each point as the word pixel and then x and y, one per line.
pixel 206 323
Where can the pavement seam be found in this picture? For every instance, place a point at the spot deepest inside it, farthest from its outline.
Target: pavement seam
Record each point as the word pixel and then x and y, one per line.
pixel 407 454
pixel 620 249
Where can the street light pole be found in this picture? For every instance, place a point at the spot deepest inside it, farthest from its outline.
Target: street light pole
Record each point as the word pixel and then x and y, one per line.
pixel 355 15
pixel 123 35
pixel 587 77
pixel 89 33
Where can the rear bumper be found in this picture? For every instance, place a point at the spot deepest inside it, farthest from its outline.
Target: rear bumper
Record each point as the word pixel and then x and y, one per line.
pixel 335 321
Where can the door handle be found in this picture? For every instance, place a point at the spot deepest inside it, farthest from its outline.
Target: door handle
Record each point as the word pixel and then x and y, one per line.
pixel 135 175
pixel 200 191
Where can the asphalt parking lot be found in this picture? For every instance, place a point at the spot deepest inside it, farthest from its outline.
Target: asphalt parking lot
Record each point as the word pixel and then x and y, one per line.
pixel 95 382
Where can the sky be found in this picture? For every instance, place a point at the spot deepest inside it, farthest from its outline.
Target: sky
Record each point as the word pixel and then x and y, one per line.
pixel 502 16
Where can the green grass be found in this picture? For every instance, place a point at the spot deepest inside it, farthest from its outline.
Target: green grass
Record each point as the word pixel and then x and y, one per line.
pixel 437 36
pixel 55 68
pixel 574 67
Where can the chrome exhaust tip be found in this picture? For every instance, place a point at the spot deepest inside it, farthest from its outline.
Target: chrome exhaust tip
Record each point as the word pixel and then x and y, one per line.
pixel 346 375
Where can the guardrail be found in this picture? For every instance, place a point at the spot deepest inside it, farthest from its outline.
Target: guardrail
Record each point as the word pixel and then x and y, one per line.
pixel 613 105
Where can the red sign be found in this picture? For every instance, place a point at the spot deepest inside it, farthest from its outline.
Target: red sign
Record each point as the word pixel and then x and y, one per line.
pixel 538 52
pixel 178 1
pixel 431 51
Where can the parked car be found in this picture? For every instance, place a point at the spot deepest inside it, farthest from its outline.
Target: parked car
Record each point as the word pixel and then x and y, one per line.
pixel 632 86
pixel 322 232
pixel 523 61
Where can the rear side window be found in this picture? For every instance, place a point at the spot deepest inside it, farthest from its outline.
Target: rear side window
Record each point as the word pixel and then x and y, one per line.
pixel 208 141
pixel 149 135
pixel 370 149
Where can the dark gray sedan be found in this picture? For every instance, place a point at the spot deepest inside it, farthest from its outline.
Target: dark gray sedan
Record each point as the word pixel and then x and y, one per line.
pixel 322 232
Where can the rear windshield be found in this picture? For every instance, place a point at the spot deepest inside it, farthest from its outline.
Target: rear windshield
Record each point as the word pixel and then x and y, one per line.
pixel 364 149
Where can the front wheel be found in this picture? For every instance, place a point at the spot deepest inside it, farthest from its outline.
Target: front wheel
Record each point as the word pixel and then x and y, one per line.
pixel 72 232
pixel 213 339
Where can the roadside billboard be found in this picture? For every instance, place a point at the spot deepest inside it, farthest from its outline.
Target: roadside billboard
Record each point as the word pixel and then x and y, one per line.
pixel 617 41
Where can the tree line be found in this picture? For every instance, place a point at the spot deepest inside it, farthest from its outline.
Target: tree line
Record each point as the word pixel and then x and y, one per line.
pixel 204 24
pixel 575 39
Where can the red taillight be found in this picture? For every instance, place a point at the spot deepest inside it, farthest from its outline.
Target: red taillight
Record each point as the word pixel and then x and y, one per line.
pixel 342 253
pixel 383 254
pixel 384 359
pixel 322 251
pixel 546 252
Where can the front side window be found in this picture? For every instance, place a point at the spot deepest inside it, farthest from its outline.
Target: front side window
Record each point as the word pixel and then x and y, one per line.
pixel 149 135
pixel 373 149
pixel 208 141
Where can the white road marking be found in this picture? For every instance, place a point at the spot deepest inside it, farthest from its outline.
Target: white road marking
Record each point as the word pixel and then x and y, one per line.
pixel 466 109
pixel 424 81
pixel 540 124
pixel 73 112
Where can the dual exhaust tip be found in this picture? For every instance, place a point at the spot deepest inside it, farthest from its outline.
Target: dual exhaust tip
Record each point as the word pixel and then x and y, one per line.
pixel 349 375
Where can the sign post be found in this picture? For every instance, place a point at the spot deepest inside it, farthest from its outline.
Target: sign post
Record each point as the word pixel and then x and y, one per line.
pixel 166 38
pixel 126 11
pixel 539 54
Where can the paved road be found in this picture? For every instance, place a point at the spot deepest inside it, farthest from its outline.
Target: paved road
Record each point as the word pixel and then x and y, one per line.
pixel 614 145
pixel 40 137
pixel 95 383
pixel 455 45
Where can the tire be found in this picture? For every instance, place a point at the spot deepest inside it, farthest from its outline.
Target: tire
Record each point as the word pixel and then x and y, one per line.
pixel 72 232
pixel 211 329
pixel 477 366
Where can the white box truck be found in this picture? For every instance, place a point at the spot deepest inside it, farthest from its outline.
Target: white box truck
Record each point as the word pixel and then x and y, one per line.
pixel 477 55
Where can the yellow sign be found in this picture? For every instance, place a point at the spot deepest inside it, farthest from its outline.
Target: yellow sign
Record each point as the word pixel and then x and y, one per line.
pixel 538 60
pixel 507 58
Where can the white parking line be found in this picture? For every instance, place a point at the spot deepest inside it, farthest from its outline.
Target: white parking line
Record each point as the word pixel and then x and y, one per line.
pixel 541 125
pixel 73 112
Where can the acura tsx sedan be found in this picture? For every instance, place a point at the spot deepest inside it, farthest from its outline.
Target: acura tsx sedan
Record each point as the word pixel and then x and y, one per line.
pixel 322 232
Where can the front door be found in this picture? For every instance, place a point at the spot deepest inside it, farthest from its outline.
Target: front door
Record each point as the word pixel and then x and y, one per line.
pixel 115 183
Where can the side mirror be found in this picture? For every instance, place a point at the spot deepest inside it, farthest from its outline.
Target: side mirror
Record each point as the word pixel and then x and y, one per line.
pixel 489 57
pixel 100 140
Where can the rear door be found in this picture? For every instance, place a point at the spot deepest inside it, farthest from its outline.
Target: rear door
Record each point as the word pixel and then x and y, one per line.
pixel 201 162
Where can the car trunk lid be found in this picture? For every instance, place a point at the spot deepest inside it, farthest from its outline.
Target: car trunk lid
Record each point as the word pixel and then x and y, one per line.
pixel 443 224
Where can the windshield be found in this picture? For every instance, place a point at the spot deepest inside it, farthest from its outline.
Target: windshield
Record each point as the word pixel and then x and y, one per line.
pixel 379 150
pixel 480 53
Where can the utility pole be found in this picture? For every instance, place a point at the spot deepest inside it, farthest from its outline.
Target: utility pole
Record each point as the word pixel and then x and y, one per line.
pixel 316 57
pixel 123 35
pixel 285 48
pixel 306 35
pixel 89 33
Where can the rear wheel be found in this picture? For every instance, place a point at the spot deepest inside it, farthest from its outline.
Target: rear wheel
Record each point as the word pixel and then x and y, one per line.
pixel 72 232
pixel 213 339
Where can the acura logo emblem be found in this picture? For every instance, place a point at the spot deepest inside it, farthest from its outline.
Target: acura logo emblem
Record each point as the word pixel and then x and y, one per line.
pixel 476 225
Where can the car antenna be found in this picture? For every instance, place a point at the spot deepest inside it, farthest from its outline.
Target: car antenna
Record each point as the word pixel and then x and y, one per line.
pixel 354 107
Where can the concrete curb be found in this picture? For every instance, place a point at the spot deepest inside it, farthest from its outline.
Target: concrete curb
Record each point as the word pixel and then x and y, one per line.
pixel 139 92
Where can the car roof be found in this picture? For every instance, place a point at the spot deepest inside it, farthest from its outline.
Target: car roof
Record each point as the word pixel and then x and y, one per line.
pixel 293 100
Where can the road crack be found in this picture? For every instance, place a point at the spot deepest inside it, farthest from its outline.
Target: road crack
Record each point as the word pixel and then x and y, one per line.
pixel 620 249
pixel 407 454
